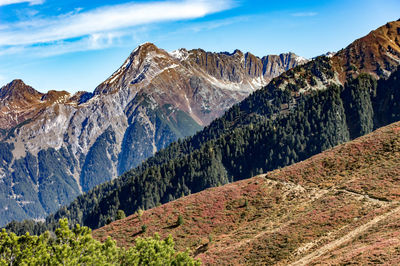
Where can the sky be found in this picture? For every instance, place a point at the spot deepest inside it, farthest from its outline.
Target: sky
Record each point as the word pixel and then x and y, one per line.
pixel 74 45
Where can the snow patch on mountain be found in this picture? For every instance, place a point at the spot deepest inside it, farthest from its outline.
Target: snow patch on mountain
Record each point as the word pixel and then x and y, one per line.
pixel 180 54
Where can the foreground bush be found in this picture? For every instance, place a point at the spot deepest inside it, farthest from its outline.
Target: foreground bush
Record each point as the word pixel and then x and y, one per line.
pixel 77 247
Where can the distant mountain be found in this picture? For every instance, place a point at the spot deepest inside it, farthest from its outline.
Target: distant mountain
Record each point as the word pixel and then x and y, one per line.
pixel 57 145
pixel 19 102
pixel 303 112
pixel 339 207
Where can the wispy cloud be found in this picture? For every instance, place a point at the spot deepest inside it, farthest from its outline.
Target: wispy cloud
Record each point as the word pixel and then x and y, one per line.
pixel 92 42
pixel 305 14
pixel 104 20
pixel 210 25
pixel 10 2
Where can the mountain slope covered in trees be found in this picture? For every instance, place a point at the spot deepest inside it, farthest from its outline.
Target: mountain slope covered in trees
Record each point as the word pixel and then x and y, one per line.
pixel 301 113
pixel 339 207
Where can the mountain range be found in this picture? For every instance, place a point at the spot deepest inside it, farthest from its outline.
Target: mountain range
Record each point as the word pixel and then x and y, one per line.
pixel 306 110
pixel 55 146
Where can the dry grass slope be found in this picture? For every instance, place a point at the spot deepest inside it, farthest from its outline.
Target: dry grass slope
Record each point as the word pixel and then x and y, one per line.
pixel 338 207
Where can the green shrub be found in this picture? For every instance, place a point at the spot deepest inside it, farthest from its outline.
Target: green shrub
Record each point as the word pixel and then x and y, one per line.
pixel 144 228
pixel 120 215
pixel 77 247
pixel 179 220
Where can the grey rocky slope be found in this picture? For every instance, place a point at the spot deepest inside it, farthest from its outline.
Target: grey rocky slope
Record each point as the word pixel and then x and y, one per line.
pixel 55 146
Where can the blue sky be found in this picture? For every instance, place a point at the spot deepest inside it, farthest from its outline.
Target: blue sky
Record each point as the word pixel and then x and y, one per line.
pixel 74 45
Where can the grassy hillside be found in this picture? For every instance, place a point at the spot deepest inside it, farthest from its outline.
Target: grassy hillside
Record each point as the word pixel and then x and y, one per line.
pixel 341 206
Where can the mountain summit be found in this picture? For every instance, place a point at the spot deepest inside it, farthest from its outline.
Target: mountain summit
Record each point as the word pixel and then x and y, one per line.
pixel 18 90
pixel 56 145
pixel 19 102
pixel 377 53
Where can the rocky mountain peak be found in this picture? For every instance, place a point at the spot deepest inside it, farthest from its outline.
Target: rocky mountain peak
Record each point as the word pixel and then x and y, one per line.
pixel 148 53
pixel 18 90
pixel 15 83
pixel 180 54
pixel 18 103
pixel 56 96
pixel 144 62
pixel 146 48
pixel 237 51
pixel 144 51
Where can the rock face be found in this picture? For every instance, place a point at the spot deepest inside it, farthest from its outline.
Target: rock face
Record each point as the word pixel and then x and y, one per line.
pixel 55 146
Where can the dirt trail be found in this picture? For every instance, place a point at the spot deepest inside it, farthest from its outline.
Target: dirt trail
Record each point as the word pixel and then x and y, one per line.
pixel 248 240
pixel 328 247
pixel 318 193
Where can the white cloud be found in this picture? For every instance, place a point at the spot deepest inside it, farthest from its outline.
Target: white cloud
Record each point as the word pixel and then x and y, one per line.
pixel 210 25
pixel 105 19
pixel 10 2
pixel 92 42
pixel 305 14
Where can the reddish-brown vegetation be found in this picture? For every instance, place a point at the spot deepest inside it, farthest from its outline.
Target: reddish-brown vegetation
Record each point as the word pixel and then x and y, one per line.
pixel 340 206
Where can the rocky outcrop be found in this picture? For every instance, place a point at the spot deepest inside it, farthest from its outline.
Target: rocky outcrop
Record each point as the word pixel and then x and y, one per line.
pixel 56 145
